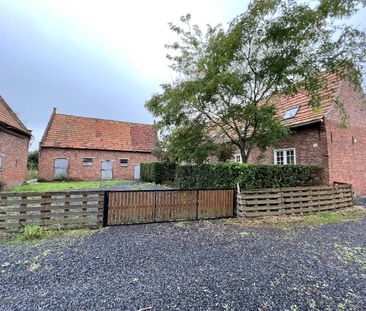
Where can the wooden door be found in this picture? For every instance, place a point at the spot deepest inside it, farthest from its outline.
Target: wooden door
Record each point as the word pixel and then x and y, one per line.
pixel 107 169
pixel 61 166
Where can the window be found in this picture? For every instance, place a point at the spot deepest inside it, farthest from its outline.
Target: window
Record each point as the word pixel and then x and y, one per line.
pixel 291 113
pixel 1 162
pixel 87 161
pixel 237 158
pixel 123 162
pixel 285 156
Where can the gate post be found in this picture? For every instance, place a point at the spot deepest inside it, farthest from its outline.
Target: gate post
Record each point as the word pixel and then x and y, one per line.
pixel 105 208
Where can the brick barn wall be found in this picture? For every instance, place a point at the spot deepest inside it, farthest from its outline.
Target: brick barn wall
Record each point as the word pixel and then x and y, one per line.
pixel 77 171
pixel 347 146
pixel 310 144
pixel 14 150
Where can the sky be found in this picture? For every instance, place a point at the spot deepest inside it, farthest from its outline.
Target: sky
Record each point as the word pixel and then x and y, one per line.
pixel 94 58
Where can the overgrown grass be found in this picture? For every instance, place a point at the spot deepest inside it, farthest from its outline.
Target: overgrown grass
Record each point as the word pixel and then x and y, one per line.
pixel 67 185
pixel 288 223
pixel 32 174
pixel 34 233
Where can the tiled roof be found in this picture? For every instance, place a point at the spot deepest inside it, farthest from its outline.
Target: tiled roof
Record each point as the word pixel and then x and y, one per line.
pixel 10 119
pixel 65 131
pixel 306 113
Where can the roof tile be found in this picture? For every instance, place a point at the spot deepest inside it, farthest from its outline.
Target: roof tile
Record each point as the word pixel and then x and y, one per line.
pixel 68 131
pixel 9 118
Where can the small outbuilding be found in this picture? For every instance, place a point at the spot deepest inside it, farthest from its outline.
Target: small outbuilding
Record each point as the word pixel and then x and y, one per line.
pixel 80 148
pixel 14 144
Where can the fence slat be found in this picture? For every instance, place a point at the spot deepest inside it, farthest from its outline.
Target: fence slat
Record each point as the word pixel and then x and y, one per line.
pixel 67 208
pixel 267 202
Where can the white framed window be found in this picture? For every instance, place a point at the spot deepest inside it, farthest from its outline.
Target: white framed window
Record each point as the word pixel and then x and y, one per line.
pixel 237 158
pixel 123 162
pixel 87 161
pixel 285 156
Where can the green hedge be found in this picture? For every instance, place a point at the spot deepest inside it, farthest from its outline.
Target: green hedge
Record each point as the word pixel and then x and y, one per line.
pixel 157 172
pixel 249 176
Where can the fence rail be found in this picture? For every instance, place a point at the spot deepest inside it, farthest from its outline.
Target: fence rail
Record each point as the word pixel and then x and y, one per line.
pixel 76 209
pixel 299 200
pixel 131 207
pixel 72 209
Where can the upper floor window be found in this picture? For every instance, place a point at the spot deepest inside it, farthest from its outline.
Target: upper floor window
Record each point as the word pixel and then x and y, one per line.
pixel 87 161
pixel 285 156
pixel 291 113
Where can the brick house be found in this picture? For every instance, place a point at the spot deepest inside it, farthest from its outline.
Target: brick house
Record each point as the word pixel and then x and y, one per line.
pixel 14 144
pixel 318 137
pixel 79 148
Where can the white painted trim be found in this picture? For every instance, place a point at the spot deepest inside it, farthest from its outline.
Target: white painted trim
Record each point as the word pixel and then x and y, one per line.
pixel 284 155
pixel 125 164
pixel 236 155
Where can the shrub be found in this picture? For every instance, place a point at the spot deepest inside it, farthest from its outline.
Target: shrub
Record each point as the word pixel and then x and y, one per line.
pixel 158 172
pixel 249 176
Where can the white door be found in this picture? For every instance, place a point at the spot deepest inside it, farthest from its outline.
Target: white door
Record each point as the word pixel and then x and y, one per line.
pixel 136 174
pixel 61 166
pixel 107 169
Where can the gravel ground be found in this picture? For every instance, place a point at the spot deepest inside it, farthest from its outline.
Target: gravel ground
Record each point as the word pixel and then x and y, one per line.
pixel 209 265
pixel 361 201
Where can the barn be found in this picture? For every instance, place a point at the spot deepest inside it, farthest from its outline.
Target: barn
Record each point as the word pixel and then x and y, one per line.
pixel 81 148
pixel 14 144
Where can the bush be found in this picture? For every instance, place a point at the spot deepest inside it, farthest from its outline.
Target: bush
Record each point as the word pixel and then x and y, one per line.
pixel 249 176
pixel 158 172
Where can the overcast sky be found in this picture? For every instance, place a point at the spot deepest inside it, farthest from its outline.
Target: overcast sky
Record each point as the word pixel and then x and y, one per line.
pixel 97 58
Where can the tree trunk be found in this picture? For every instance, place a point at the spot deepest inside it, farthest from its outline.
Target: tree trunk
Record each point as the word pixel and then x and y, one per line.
pixel 244 155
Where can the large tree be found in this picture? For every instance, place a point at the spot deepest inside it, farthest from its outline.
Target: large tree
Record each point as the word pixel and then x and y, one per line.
pixel 227 80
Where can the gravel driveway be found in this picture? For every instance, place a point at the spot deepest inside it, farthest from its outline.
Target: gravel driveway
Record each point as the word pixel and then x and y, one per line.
pixel 210 265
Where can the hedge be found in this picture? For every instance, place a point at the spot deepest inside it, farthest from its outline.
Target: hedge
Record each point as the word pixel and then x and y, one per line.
pixel 249 176
pixel 157 172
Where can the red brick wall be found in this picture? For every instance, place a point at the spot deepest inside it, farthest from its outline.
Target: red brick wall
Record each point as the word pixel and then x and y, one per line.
pixel 347 146
pixel 77 171
pixel 14 150
pixel 310 144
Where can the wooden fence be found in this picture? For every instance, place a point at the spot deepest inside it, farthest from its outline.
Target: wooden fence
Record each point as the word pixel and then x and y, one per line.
pixel 72 209
pixel 299 200
pixel 129 207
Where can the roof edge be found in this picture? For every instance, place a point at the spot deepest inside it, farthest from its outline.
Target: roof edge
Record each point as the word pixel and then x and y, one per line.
pixel 97 149
pixel 307 123
pixel 25 129
pixel 101 119
pixel 50 121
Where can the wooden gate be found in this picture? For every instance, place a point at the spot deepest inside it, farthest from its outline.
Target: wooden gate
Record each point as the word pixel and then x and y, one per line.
pixel 131 207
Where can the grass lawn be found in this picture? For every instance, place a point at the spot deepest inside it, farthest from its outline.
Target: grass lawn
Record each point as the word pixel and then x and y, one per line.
pixel 67 185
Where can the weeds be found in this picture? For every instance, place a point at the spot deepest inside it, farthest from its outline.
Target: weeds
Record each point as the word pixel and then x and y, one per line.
pixel 352 254
pixel 33 232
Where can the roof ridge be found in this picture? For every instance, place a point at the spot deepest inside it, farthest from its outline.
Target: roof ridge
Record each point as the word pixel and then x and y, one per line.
pixel 101 119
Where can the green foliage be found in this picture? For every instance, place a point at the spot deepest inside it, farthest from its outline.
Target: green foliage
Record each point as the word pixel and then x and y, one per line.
pixel 228 81
pixel 33 159
pixel 224 152
pixel 228 175
pixel 158 172
pixel 33 232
